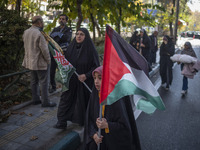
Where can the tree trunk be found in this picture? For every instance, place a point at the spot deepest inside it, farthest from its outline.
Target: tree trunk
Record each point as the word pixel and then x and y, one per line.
pixel 171 23
pixel 93 27
pixel 98 28
pixel 118 22
pixel 80 16
pixel 92 20
pixel 18 5
pixel 171 29
pixel 176 23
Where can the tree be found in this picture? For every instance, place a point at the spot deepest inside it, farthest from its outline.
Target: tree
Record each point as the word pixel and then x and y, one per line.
pixel 11 44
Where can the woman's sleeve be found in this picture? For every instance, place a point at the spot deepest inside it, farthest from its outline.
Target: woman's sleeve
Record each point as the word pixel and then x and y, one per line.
pixel 117 119
pixel 94 64
pixel 92 129
pixel 171 50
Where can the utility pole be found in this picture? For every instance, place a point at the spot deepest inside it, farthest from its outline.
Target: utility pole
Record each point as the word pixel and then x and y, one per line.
pixel 176 23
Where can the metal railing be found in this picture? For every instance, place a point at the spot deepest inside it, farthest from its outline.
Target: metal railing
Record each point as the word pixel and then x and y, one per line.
pixel 15 81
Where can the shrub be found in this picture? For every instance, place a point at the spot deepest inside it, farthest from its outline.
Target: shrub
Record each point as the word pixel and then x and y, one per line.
pixel 12 27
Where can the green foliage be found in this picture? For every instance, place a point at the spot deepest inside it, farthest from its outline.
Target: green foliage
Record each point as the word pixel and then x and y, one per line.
pixel 12 27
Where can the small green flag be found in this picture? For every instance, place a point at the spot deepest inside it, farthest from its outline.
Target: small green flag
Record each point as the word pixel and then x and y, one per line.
pixel 66 69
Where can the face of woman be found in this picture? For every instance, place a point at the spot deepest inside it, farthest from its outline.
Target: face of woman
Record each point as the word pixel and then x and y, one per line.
pixel 97 80
pixel 141 34
pixel 80 36
pixel 165 41
pixel 186 47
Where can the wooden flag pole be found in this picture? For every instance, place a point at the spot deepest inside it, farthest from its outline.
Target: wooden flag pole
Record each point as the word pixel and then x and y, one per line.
pixel 99 130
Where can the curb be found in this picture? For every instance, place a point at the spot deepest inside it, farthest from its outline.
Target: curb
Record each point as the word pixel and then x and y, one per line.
pixel 154 71
pixel 70 142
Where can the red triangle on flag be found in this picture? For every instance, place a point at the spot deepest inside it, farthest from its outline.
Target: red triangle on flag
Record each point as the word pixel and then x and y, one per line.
pixel 113 69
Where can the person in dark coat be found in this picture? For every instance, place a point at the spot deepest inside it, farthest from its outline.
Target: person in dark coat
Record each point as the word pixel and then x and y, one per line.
pixel 188 50
pixel 154 48
pixel 62 36
pixel 118 127
pixel 167 49
pixel 145 44
pixel 134 39
pixel 82 54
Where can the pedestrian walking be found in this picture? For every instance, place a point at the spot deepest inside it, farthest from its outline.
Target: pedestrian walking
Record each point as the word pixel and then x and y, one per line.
pixel 82 54
pixel 37 59
pixel 134 39
pixel 167 49
pixel 188 50
pixel 62 36
pixel 145 45
pixel 154 48
pixel 118 127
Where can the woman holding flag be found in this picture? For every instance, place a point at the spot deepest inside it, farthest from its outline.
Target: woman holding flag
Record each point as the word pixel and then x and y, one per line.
pixel 118 127
pixel 82 54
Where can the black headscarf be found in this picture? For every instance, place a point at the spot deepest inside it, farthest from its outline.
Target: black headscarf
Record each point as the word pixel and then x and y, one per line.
pixel 134 38
pixel 86 49
pixel 189 51
pixel 167 49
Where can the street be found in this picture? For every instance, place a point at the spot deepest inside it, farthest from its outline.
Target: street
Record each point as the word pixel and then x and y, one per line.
pixel 176 128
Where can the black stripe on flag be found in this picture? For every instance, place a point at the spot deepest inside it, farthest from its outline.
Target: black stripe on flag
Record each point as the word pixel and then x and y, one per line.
pixel 126 52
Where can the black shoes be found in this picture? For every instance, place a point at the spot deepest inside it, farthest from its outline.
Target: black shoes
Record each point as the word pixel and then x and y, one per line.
pixel 50 104
pixel 52 90
pixel 60 126
pixel 37 102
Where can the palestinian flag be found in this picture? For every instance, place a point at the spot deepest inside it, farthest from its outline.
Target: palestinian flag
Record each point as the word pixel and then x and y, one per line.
pixel 66 69
pixel 125 72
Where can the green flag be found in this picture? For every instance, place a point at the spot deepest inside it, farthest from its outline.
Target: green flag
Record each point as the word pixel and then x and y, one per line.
pixel 66 69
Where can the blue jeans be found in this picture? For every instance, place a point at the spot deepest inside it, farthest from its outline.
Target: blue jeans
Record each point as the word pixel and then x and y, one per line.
pixel 185 83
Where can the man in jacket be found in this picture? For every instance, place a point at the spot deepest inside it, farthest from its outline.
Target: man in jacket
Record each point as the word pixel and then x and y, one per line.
pixel 62 35
pixel 37 59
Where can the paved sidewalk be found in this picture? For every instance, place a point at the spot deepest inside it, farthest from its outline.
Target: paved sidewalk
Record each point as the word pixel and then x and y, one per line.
pixel 31 128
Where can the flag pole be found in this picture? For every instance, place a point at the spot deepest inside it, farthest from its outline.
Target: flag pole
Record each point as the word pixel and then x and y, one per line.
pixel 84 83
pixel 99 130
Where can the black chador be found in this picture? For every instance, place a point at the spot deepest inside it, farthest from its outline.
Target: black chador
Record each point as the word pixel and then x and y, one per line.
pixel 122 127
pixel 73 103
pixel 166 64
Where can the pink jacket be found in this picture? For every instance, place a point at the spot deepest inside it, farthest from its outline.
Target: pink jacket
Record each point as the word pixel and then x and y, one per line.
pixel 189 70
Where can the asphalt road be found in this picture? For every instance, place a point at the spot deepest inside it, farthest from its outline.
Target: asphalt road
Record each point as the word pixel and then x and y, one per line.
pixel 178 127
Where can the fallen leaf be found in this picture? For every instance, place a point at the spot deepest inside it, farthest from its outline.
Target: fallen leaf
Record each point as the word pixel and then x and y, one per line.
pixel 33 138
pixel 46 110
pixel 22 113
pixel 14 112
pixel 30 115
pixel 17 103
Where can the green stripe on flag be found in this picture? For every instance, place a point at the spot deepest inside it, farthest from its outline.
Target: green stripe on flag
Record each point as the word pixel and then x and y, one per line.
pixel 145 106
pixel 125 87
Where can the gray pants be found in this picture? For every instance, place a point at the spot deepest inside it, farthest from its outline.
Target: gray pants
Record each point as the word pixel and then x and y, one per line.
pixel 40 76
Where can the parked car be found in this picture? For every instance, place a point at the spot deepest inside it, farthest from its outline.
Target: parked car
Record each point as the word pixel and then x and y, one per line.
pixel 197 35
pixel 183 34
pixel 190 33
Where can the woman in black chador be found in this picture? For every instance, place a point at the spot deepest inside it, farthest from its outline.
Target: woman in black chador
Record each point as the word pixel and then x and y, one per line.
pixel 134 39
pixel 167 50
pixel 118 127
pixel 82 54
pixel 145 44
